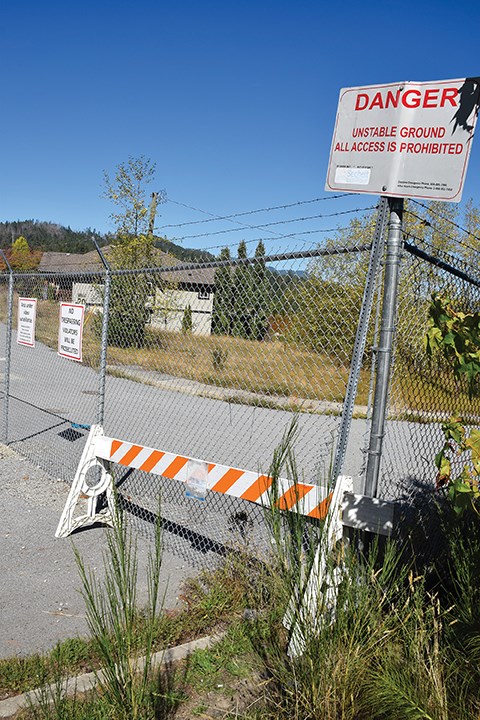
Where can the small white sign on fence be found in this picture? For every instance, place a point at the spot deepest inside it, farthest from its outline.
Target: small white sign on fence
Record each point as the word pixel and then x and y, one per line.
pixel 27 314
pixel 70 331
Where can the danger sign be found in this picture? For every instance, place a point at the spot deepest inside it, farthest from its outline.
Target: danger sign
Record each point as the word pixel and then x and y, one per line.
pixel 70 331
pixel 404 139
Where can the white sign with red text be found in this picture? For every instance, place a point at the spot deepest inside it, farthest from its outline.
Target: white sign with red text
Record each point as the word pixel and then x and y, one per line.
pixel 27 315
pixel 70 331
pixel 405 139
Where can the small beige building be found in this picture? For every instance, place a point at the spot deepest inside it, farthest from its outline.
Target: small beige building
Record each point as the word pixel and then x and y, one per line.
pixel 185 287
pixel 78 278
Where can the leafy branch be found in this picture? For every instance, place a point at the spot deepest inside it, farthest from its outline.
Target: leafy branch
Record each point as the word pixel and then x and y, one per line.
pixel 456 335
pixel 463 487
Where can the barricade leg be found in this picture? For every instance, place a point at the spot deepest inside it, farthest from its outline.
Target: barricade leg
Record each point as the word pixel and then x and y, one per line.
pixel 302 614
pixel 98 482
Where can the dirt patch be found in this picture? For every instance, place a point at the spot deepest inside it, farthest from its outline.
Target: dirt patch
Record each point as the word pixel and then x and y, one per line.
pixel 228 700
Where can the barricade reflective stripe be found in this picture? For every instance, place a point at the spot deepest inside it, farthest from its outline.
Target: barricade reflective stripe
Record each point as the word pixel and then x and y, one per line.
pixel 308 499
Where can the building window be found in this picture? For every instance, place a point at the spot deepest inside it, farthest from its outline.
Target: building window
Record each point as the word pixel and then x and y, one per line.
pixel 203 295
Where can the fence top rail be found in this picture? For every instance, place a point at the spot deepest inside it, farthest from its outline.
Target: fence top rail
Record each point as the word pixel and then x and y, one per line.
pixel 233 262
pixel 441 264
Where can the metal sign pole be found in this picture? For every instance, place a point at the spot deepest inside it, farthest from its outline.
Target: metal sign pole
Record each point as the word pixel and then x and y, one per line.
pixel 384 350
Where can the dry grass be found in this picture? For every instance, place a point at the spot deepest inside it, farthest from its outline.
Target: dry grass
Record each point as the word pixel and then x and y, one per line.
pixel 273 369
pixel 428 390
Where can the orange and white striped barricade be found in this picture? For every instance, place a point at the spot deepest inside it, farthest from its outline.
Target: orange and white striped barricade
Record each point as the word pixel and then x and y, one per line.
pixel 310 500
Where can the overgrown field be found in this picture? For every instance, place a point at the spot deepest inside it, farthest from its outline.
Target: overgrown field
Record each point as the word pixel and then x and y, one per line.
pixel 279 371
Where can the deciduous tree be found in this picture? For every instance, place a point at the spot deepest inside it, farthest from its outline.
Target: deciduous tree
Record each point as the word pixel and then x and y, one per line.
pixel 21 257
pixel 127 190
pixel 133 248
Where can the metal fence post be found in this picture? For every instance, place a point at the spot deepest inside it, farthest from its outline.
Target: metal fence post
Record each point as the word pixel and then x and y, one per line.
pixel 384 350
pixel 104 341
pixel 8 349
pixel 360 340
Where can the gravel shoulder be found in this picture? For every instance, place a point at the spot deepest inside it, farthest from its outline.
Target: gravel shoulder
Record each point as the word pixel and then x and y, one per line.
pixel 40 600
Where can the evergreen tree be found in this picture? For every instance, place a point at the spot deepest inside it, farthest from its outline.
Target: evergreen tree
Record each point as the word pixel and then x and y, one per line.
pixel 187 320
pixel 241 296
pixel 222 314
pixel 259 294
pixel 242 307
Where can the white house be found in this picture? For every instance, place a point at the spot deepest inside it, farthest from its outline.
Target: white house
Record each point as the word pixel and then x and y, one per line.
pixel 175 286
pixel 194 287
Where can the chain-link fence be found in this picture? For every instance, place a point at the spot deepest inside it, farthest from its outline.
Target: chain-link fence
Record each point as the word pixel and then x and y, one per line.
pixel 424 392
pixel 212 360
pixel 215 361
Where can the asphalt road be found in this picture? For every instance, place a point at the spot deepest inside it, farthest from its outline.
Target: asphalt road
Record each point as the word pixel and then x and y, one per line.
pixel 48 393
pixel 40 601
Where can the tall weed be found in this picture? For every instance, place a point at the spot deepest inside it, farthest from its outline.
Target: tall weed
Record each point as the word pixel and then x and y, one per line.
pixel 112 617
pixel 385 644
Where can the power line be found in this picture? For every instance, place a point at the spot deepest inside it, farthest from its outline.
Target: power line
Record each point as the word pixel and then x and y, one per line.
pixel 235 222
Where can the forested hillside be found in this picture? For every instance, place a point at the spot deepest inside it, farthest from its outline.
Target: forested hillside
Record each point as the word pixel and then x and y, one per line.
pixel 51 237
pixel 185 254
pixel 48 236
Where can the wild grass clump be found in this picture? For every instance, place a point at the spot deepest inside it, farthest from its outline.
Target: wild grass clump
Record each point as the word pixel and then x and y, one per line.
pixel 111 613
pixel 119 635
pixel 379 640
pixel 383 635
pixel 389 651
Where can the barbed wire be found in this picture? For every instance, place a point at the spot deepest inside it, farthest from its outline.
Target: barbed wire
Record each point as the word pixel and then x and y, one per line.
pixel 427 223
pixel 244 226
pixel 435 229
pixel 79 268
pixel 452 222
pixel 297 234
pixel 263 226
pixel 214 217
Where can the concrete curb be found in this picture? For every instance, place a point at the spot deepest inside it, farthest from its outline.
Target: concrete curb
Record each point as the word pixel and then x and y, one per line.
pixel 83 683
pixel 226 394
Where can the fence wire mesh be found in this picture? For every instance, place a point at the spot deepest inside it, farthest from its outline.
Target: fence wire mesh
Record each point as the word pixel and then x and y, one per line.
pixel 52 401
pixel 211 360
pixel 424 392
pixel 214 361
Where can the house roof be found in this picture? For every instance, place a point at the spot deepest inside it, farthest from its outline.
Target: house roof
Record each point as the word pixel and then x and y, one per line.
pixel 57 262
pixel 191 276
pixel 89 262
pixel 83 263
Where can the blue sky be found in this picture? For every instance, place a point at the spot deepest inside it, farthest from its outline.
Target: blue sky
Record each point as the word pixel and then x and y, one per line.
pixel 234 101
